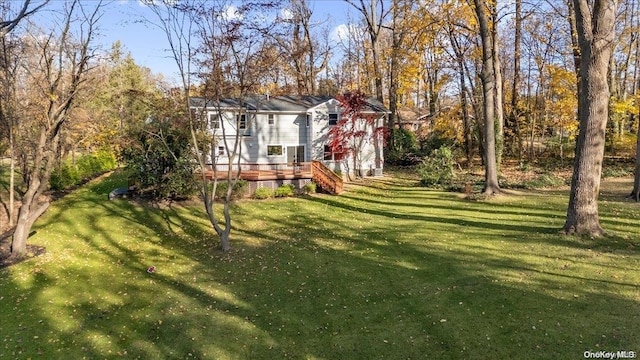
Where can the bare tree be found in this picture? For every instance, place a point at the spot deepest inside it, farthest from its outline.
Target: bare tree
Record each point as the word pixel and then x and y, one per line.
pixel 9 64
pixel 374 20
pixel 596 32
pixel 227 60
pixel 304 49
pixel 8 69
pixel 459 50
pixel 56 76
pixel 7 25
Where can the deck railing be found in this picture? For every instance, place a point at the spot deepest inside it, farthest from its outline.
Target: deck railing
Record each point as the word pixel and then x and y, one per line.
pixel 256 172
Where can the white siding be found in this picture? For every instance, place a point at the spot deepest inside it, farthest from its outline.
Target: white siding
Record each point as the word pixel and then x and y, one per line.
pixel 289 129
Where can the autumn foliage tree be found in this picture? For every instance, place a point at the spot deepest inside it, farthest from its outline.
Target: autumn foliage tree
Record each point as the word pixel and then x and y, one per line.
pixel 355 129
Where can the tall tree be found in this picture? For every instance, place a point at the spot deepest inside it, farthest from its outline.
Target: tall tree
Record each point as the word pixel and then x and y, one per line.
pixel 488 78
pixel 512 125
pixel 303 47
pixel 596 32
pixel 10 54
pixel 497 72
pixel 374 14
pixel 57 75
pixel 461 38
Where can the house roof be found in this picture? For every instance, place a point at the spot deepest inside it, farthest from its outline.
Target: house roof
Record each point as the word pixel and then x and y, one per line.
pixel 286 103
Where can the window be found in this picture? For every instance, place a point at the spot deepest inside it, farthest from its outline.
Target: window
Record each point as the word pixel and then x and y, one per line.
pixel 333 155
pixel 328 155
pixel 308 120
pixel 333 119
pixel 221 151
pixel 214 121
pixel 272 120
pixel 241 120
pixel 275 150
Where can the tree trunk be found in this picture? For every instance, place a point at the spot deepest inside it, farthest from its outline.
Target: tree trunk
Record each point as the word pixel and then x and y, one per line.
pixel 393 76
pixel 26 219
pixel 635 193
pixel 466 123
pixel 499 108
pixel 596 45
pixel 373 34
pixel 488 79
pixel 12 176
pixel 514 125
pixel 32 207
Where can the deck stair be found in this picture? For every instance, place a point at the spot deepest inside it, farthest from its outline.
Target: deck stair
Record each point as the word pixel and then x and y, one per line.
pixel 326 178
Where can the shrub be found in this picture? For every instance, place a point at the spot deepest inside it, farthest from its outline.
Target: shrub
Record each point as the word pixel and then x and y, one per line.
pixel 309 188
pixel 238 192
pixel 179 183
pixel 106 159
pixel 609 171
pixel 285 190
pixel 64 177
pixel 404 140
pixel 436 140
pixel 403 158
pixel 437 169
pixel 159 158
pixel 87 167
pixel 546 180
pixel 263 193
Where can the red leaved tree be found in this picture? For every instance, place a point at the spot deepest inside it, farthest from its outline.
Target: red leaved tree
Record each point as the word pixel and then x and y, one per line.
pixel 356 128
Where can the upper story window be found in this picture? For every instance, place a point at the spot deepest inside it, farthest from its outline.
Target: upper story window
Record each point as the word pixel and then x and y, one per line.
pixel 308 120
pixel 241 120
pixel 272 119
pixel 214 120
pixel 333 119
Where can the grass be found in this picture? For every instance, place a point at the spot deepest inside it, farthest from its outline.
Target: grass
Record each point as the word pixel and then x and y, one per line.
pixel 386 270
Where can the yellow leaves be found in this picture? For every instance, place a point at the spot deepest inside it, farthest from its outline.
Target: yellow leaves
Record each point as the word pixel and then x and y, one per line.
pixel 448 124
pixel 622 106
pixel 563 101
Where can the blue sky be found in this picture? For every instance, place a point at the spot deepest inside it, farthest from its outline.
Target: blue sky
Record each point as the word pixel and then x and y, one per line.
pixel 123 21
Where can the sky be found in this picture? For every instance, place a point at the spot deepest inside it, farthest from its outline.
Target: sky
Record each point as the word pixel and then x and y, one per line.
pixel 124 21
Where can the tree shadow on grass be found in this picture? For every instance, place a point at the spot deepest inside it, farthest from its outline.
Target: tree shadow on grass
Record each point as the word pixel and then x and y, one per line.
pixel 538 215
pixel 448 302
pixel 106 304
pixel 321 286
pixel 434 219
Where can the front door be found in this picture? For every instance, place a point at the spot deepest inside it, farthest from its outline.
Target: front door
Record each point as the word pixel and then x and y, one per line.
pixel 295 154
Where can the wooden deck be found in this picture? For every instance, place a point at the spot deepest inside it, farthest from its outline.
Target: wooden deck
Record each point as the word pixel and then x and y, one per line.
pixel 259 172
pixel 315 170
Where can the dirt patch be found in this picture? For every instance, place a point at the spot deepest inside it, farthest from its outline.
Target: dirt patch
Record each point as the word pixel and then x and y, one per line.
pixel 7 260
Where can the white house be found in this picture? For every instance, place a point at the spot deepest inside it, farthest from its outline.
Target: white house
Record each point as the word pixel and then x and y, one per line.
pixel 285 132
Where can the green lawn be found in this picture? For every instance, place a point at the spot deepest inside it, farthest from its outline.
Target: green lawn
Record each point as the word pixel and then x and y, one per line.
pixel 387 270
